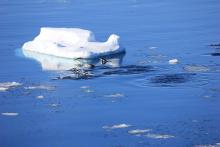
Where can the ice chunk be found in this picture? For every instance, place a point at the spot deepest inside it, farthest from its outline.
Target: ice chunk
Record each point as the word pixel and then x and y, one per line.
pixel 10 113
pixel 72 43
pixel 42 87
pixel 119 126
pixel 7 85
pixel 139 131
pixel 209 145
pixel 173 61
pixel 116 95
pixel 40 97
pixel 159 136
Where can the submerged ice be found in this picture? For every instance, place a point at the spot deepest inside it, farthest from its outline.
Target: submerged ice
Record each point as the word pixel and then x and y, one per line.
pixel 72 43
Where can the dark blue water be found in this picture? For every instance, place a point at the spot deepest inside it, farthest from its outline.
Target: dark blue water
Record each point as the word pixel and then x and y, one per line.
pixel 145 91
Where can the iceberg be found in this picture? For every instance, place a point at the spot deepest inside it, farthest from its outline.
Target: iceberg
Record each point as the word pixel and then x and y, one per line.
pixel 72 43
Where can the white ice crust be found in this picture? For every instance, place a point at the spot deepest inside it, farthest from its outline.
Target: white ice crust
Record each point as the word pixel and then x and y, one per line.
pixel 72 43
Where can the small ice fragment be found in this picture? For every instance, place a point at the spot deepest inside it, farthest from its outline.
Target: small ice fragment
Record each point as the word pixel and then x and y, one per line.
pixel 3 89
pixel 152 47
pixel 42 87
pixel 173 61
pixel 139 131
pixel 10 113
pixel 72 43
pixel 84 87
pixel 209 145
pixel 54 105
pixel 159 136
pixel 7 85
pixel 119 126
pixel 116 95
pixel 40 97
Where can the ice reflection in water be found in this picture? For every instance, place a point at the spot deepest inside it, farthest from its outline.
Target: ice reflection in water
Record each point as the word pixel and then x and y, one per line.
pixel 58 64
pixel 76 69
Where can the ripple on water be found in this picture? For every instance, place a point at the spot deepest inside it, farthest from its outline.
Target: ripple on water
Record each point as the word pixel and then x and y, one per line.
pixel 78 74
pixel 171 79
pixel 165 80
pixel 196 68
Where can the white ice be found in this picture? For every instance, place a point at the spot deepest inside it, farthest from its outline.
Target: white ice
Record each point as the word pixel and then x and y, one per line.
pixel 209 145
pixel 7 85
pixel 139 131
pixel 173 61
pixel 159 136
pixel 116 95
pixel 72 43
pixel 9 113
pixel 41 87
pixel 40 97
pixel 118 126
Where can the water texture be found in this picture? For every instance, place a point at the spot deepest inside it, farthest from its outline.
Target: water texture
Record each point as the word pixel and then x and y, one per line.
pixel 134 99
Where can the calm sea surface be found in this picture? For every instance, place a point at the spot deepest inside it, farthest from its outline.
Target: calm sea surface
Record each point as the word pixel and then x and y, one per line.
pixel 174 105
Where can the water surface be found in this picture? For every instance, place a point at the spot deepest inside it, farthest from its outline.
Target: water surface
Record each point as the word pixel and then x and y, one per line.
pixel 178 103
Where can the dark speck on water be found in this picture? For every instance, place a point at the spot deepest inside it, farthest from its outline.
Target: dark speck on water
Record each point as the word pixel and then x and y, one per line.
pixel 47 101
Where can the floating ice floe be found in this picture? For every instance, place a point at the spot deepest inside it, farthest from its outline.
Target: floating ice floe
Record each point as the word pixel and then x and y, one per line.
pixel 209 145
pixel 41 87
pixel 7 85
pixel 152 47
pixel 40 97
pixel 173 61
pixel 116 95
pixel 119 126
pixel 54 105
pixel 84 87
pixel 10 113
pixel 72 43
pixel 159 136
pixel 139 131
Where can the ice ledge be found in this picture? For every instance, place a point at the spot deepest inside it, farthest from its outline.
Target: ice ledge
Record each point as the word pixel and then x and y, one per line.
pixel 72 43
